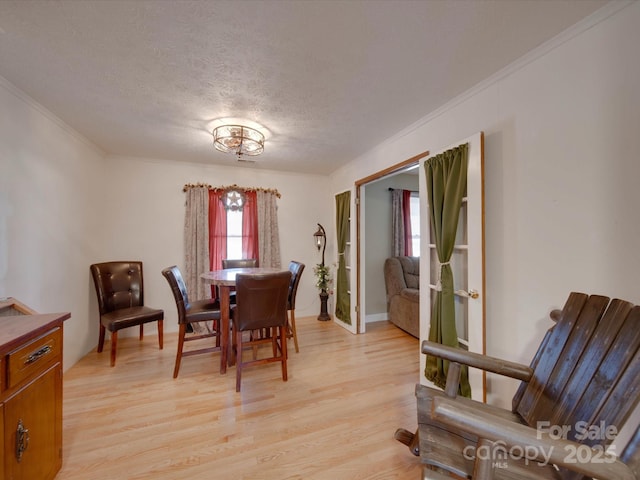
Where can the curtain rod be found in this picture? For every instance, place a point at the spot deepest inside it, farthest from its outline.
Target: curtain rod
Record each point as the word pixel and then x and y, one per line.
pixel 231 187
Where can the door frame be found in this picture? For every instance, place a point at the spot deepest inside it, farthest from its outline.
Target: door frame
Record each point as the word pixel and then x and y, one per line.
pixel 392 170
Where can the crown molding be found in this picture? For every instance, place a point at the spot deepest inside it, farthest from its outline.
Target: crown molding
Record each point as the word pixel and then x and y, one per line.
pixel 15 91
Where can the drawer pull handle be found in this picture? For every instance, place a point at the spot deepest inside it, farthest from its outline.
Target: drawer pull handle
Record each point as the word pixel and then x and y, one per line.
pixel 35 356
pixel 22 440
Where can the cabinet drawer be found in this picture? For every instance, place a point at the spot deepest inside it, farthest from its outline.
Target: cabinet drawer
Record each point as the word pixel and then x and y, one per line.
pixel 33 357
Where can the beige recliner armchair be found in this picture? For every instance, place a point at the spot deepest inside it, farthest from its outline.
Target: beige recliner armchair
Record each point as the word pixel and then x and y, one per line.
pixel 402 281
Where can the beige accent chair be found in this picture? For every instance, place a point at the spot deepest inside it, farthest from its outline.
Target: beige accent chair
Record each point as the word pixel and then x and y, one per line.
pixel 402 282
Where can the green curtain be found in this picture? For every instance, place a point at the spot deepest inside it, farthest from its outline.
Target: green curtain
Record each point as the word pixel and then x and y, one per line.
pixel 446 185
pixel 343 302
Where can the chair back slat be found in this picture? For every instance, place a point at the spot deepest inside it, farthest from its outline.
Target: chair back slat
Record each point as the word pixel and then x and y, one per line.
pixel 582 354
pixel 522 388
pixel 612 331
pixel 613 390
pixel 551 352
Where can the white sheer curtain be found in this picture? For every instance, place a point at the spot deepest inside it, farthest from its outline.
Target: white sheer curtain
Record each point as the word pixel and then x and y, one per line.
pixel 268 234
pixel 196 242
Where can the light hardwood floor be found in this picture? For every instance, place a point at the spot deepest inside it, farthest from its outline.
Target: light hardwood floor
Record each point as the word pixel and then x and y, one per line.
pixel 333 419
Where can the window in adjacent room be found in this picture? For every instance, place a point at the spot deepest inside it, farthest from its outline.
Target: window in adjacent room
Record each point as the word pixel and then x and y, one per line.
pixel 414 209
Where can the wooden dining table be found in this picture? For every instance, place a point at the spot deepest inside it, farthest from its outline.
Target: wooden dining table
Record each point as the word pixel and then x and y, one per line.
pixel 225 280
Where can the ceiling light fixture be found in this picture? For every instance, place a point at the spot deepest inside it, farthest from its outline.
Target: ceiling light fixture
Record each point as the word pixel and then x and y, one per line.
pixel 239 140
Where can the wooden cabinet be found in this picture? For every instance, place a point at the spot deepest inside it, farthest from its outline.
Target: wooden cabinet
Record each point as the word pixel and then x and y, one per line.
pixel 30 392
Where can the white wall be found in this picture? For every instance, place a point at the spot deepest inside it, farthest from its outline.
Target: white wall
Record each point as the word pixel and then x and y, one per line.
pixel 51 209
pixel 146 220
pixel 561 168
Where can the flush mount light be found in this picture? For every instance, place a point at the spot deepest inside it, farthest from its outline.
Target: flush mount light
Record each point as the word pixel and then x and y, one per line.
pixel 239 140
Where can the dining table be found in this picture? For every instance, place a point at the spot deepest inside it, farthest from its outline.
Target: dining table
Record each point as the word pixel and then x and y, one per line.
pixel 225 280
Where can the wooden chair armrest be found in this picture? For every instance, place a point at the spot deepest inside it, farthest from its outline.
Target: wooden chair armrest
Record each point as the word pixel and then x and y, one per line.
pixel 536 445
pixel 483 362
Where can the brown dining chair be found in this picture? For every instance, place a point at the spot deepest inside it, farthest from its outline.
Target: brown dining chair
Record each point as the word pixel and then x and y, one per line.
pixel 120 290
pixel 237 263
pixel 189 313
pixel 296 269
pixel 262 305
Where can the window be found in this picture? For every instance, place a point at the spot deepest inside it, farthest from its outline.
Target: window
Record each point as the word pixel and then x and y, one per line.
pixel 234 233
pixel 234 201
pixel 234 226
pixel 414 208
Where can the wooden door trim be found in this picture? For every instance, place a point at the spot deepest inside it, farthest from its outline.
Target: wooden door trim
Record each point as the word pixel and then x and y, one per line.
pixel 392 169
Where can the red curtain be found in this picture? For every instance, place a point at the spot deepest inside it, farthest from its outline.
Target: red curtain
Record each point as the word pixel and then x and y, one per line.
pixel 217 232
pixel 406 219
pixel 250 246
pixel 218 229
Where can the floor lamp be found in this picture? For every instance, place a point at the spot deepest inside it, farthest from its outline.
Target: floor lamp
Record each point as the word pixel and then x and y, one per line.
pixel 321 242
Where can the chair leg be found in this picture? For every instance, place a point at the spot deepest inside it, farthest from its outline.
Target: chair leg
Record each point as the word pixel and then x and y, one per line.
pixel 274 344
pixel 160 334
pixel 114 344
pixel 253 335
pixel 294 332
pixel 283 352
pixel 141 331
pixel 411 440
pixel 233 354
pixel 181 333
pixel 238 359
pixel 101 338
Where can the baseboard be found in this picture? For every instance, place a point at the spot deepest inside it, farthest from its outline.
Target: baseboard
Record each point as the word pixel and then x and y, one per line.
pixel 376 317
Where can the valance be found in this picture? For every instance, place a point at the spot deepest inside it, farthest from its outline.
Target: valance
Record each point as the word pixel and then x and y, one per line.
pixel 232 187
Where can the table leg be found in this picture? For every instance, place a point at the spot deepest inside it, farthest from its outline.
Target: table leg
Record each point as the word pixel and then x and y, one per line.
pixel 224 327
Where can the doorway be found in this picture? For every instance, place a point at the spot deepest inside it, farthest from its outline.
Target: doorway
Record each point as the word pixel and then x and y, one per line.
pixel 373 237
pixel 468 257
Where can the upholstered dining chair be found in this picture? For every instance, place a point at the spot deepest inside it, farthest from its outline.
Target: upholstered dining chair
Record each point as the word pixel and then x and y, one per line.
pixel 237 263
pixel 189 313
pixel 262 305
pixel 296 269
pixel 120 290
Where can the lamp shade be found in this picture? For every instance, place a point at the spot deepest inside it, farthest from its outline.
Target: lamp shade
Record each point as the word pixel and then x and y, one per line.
pixel 319 236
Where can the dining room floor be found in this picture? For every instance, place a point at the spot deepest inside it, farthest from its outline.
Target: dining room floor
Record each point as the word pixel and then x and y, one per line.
pixel 333 419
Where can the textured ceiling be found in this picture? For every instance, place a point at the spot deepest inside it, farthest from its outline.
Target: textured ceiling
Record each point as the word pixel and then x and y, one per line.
pixel 325 80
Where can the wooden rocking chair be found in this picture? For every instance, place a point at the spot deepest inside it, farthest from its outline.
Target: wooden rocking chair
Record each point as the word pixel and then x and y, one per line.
pixel 580 389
